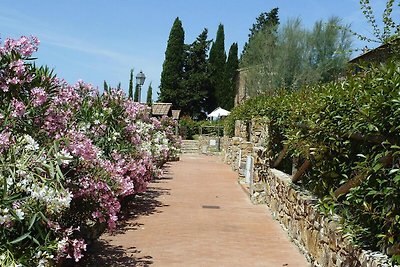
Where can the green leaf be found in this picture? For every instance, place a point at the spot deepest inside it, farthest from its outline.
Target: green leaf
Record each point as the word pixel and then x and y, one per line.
pixel 32 221
pixel 19 239
pixel 377 167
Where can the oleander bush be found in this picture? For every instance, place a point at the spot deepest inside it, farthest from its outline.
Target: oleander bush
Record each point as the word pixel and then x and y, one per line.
pixel 350 131
pixel 69 155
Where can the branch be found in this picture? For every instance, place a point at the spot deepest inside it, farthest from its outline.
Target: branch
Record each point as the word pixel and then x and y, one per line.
pixel 281 156
pixel 304 167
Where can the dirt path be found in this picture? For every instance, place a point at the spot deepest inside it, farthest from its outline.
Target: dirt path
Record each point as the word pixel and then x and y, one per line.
pixel 197 215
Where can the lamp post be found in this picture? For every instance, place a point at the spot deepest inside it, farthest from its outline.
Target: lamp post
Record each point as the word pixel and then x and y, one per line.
pixel 140 77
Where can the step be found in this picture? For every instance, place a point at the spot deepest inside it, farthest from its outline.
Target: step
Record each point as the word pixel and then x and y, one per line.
pixel 190 146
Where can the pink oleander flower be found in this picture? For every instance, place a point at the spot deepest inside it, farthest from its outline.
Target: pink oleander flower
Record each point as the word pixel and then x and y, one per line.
pixel 39 96
pixel 18 108
pixel 18 67
pixel 4 140
pixel 156 123
pixel 85 88
pixel 4 87
pixel 14 81
pixel 55 121
pixel 108 204
pixel 67 95
pixel 25 46
pixel 78 246
pixel 81 146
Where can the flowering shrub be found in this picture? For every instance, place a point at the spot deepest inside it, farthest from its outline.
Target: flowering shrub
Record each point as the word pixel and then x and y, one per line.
pixel 68 157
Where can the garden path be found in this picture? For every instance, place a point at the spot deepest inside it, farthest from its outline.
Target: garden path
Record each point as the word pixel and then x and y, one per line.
pixel 196 215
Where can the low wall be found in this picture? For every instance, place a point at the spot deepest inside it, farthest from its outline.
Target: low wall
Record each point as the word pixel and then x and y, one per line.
pixel 317 236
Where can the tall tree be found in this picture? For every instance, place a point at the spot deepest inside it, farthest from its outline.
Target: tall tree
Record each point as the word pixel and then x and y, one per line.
pixel 136 95
pixel 295 56
pixel 130 95
pixel 119 86
pixel 329 57
pixel 172 73
pixel 196 80
pixel 232 66
pixel 105 86
pixel 265 22
pixel 149 95
pixel 217 70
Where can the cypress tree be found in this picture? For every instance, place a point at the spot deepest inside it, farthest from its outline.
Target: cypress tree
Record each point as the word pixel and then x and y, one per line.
pixel 119 86
pixel 136 95
pixel 232 66
pixel 217 70
pixel 172 72
pixel 105 86
pixel 130 95
pixel 149 95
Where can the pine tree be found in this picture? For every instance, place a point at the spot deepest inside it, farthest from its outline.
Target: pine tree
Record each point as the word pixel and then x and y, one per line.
pixel 149 95
pixel 105 86
pixel 119 86
pixel 136 95
pixel 196 80
pixel 232 66
pixel 172 73
pixel 265 22
pixel 130 95
pixel 217 70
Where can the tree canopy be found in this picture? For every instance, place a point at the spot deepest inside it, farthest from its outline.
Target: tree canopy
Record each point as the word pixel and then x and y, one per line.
pixel 195 78
pixel 172 72
pixel 217 70
pixel 232 66
pixel 293 56
pixel 196 82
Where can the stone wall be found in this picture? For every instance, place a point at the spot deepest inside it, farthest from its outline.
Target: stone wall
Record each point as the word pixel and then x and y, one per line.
pixel 316 235
pixel 210 144
pixel 241 94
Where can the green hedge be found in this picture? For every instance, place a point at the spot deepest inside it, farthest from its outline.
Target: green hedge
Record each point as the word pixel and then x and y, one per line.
pixel 189 128
pixel 348 129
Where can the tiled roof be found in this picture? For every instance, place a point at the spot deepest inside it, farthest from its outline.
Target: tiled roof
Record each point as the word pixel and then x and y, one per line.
pixel 161 109
pixel 380 54
pixel 175 114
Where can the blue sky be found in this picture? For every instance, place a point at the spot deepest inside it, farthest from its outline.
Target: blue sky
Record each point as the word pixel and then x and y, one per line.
pixel 97 40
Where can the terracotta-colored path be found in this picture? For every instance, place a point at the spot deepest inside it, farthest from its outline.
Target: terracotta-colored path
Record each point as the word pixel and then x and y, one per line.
pixel 197 215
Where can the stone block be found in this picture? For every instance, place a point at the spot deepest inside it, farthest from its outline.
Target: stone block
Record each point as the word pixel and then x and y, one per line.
pixel 236 141
pixel 325 255
pixel 312 243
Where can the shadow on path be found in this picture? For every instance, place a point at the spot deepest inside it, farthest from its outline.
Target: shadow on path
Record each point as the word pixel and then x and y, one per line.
pixel 102 253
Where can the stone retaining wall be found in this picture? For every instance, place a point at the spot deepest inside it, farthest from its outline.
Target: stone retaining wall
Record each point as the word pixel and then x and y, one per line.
pixel 316 235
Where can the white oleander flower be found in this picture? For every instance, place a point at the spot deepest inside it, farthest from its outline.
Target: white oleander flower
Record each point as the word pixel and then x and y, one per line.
pixel 10 181
pixel 20 214
pixel 64 157
pixel 31 143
